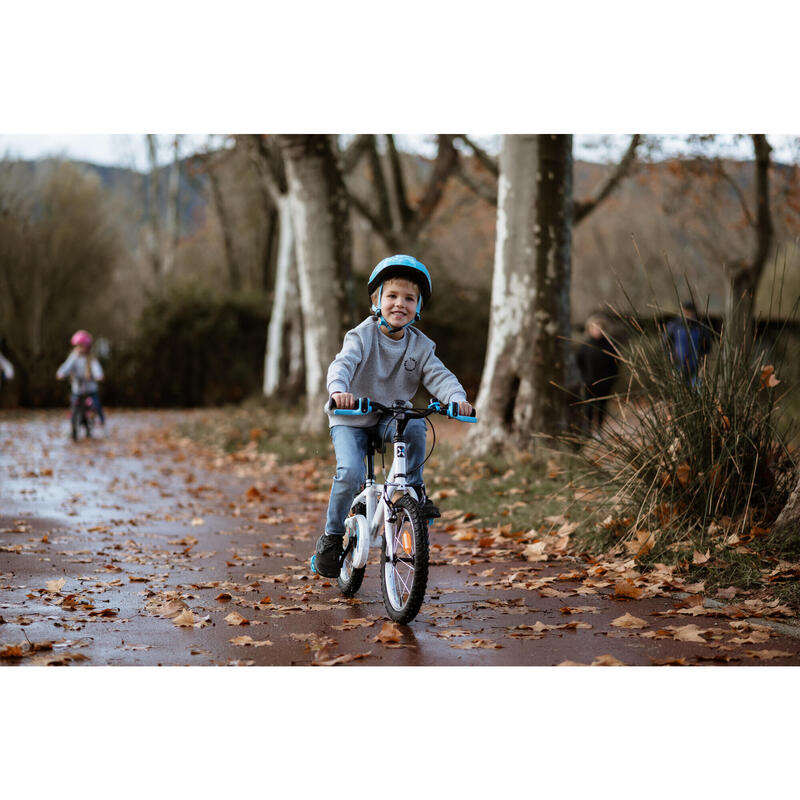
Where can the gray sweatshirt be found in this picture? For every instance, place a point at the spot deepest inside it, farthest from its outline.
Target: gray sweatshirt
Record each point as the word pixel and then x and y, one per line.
pixel 83 379
pixel 371 364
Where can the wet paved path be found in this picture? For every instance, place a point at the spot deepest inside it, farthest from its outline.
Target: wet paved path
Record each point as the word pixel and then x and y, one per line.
pixel 142 549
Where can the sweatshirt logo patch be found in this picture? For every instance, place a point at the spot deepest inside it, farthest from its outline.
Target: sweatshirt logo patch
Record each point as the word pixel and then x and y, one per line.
pixel 410 364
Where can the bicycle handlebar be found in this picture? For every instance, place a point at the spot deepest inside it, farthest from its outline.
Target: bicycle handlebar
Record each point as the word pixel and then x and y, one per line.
pixel 366 406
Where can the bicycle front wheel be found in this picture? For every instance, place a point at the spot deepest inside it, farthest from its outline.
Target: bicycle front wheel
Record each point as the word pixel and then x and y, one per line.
pixel 351 577
pixel 404 576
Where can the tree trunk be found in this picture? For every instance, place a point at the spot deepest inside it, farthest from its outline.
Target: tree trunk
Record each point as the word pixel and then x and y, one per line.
pixel 273 356
pixel 154 229
pixel 744 277
pixel 508 356
pixel 322 233
pixel 172 231
pixel 551 349
pixel 234 273
pixel 788 522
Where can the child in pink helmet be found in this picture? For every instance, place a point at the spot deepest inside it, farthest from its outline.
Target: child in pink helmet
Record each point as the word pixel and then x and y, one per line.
pixel 85 373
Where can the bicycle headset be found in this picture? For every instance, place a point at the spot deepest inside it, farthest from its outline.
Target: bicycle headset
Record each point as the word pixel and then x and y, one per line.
pixel 400 266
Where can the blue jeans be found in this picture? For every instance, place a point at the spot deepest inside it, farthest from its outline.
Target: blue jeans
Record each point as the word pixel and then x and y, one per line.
pixel 350 444
pixel 95 402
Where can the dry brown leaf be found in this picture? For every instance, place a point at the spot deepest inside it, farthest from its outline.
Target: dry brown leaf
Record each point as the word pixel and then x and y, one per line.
pixel 12 651
pixel 389 633
pixel 688 633
pixel 579 609
pixel 184 620
pixel 249 641
pixel 55 586
pixel 625 588
pixel 701 558
pixel 344 659
pixel 607 661
pixel 535 551
pixel 352 624
pixel 767 655
pixel 571 664
pixel 485 644
pixel 235 618
pixel 668 662
pixel 629 621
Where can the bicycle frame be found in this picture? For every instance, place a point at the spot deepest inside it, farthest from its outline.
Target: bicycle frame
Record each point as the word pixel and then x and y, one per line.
pixel 377 499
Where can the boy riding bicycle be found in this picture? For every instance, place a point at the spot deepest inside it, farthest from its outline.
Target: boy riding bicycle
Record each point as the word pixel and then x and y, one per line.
pixel 385 359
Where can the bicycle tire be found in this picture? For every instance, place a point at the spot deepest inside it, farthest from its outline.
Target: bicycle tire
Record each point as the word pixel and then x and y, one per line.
pixel 405 578
pixel 75 422
pixel 350 577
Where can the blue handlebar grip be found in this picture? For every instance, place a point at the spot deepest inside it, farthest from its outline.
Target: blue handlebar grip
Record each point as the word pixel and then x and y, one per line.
pixel 363 407
pixel 452 412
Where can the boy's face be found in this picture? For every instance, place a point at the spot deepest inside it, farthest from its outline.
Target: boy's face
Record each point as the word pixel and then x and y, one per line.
pixel 399 301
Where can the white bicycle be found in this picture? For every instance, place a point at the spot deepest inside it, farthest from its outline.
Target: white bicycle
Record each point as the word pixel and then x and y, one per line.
pixel 388 515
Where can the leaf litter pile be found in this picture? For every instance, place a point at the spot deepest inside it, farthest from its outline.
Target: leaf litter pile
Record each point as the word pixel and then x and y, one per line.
pixel 147 548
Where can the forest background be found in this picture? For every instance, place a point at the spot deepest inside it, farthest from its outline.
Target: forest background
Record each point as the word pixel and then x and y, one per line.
pixel 173 267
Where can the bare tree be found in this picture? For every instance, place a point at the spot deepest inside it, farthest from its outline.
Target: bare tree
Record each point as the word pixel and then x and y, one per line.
pixel 744 274
pixel 528 361
pixel 319 208
pixel 390 213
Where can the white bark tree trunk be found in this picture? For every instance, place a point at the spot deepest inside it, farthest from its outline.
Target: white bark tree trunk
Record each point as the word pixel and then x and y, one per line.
pixel 529 328
pixel 319 215
pixel 171 230
pixel 281 298
pixel 509 355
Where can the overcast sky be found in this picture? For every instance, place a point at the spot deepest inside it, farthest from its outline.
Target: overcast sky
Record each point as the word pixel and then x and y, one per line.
pixel 128 150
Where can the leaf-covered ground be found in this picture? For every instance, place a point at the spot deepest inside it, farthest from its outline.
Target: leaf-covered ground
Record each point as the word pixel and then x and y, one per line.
pixel 146 548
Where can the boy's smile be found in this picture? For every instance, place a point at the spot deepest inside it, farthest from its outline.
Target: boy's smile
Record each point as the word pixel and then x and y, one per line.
pixel 399 303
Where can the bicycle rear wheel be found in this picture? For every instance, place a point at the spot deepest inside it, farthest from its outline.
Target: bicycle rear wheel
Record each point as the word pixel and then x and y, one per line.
pixel 404 577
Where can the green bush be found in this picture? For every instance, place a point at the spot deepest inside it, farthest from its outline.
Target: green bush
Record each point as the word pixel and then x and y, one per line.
pixel 191 348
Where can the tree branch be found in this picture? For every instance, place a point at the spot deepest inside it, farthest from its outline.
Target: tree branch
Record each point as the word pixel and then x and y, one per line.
pixel 764 227
pixel 484 192
pixel 355 150
pixel 381 189
pixel 482 156
pixel 585 207
pixel 446 161
pixel 406 214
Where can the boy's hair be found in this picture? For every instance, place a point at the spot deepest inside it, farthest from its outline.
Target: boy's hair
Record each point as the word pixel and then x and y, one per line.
pixel 399 279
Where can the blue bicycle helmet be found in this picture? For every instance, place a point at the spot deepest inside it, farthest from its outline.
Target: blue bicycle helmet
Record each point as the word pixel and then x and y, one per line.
pixel 400 266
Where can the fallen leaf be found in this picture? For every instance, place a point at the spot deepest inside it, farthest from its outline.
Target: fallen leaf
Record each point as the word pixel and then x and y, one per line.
pixel 535 551
pixel 688 633
pixel 607 661
pixel 248 641
pixel 197 521
pixel 235 618
pixel 55 586
pixel 344 659
pixel 184 620
pixel 389 633
pixel 571 664
pixel 629 621
pixel 12 651
pixel 668 662
pixel 625 588
pixel 485 644
pixel 767 655
pixel 701 558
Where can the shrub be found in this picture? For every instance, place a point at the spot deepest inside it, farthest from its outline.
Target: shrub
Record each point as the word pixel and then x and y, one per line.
pixel 193 349
pixel 694 467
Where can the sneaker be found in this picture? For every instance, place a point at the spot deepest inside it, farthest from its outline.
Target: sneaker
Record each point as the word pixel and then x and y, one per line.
pixel 327 559
pixel 426 506
pixel 429 510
